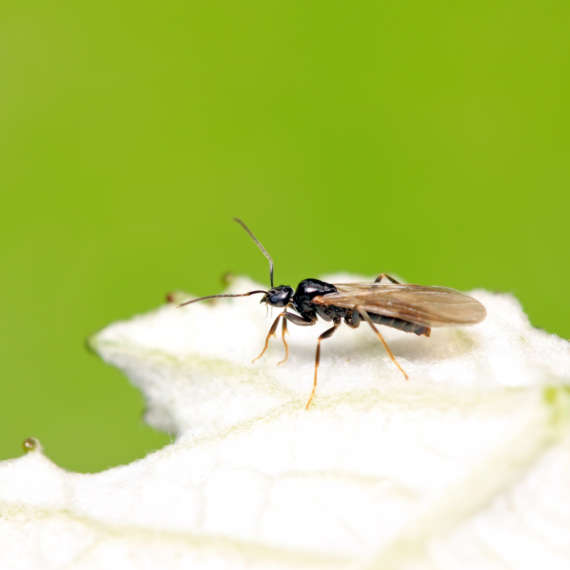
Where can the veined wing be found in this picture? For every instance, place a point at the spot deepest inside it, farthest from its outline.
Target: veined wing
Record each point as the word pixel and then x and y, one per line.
pixel 428 306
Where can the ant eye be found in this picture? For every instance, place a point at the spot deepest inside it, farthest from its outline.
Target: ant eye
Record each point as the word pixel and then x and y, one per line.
pixel 279 297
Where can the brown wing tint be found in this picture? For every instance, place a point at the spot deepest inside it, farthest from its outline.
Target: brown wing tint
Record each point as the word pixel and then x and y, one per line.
pixel 428 306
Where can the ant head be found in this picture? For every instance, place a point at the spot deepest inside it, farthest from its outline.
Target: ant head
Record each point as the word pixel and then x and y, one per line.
pixel 278 296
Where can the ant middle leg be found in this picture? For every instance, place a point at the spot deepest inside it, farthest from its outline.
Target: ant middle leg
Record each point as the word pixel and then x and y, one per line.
pixel 283 333
pixel 386 276
pixel 327 334
pixel 367 318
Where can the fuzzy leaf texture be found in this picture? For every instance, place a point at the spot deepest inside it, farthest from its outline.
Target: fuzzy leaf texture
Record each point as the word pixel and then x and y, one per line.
pixel 466 465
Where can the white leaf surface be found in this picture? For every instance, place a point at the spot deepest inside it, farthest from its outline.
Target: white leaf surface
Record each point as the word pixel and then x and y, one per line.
pixel 466 465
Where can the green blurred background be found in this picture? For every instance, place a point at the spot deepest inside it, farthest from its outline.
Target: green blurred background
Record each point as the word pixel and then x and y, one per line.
pixel 429 139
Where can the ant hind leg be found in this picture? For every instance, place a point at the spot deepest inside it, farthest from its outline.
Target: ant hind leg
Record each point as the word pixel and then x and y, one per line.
pixel 367 318
pixel 386 276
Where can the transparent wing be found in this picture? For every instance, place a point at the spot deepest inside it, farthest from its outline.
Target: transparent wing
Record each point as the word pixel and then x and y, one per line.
pixel 428 306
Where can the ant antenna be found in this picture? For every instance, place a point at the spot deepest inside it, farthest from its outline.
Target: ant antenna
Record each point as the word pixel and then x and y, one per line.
pixel 263 250
pixel 221 295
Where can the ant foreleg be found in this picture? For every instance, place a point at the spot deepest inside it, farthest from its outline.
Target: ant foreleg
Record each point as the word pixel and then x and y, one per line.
pixel 295 319
pixel 367 318
pixel 269 335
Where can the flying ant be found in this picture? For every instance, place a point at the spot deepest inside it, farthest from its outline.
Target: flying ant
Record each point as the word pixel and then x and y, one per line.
pixel 410 308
